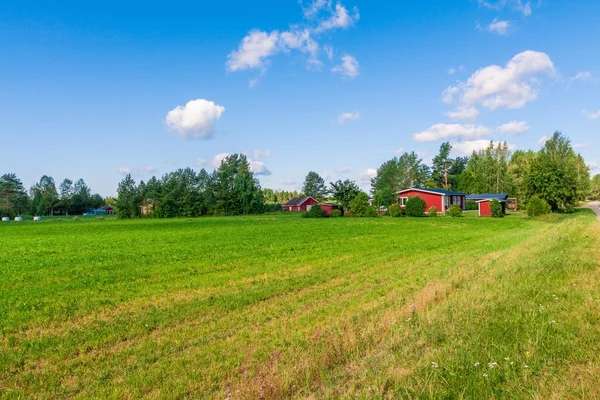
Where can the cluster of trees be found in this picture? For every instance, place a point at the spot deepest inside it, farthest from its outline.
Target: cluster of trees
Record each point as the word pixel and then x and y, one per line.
pixel 44 198
pixel 230 189
pixel 279 196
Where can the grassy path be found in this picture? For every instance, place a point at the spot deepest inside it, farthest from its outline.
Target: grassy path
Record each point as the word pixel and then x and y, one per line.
pixel 278 307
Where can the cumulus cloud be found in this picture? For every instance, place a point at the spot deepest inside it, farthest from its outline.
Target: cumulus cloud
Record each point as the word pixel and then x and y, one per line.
pixel 439 132
pixel 348 67
pixel 400 150
pixel 499 27
pixel 466 113
pixel 315 7
pixel 348 116
pixel 509 87
pixel 253 50
pixel 593 165
pixel 514 127
pixel 339 19
pixel 591 114
pixel 200 162
pixel 466 148
pixel 218 158
pixel 196 119
pixel 367 175
pixel 523 7
pixel 136 171
pixel 452 71
pixel 257 166
pixel 543 139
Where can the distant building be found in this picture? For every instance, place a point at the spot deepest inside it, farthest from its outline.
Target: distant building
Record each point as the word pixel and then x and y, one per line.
pixel 329 207
pixel 484 202
pixel 438 198
pixel 300 204
pixel 108 210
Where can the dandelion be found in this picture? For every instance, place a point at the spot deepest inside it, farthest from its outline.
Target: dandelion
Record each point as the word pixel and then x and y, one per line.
pixel 477 364
pixel 492 365
pixel 434 364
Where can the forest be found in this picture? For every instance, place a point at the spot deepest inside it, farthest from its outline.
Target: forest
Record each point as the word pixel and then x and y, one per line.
pixel 555 173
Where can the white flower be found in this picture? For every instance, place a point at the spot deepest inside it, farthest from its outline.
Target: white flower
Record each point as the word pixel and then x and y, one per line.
pixel 525 366
pixel 434 364
pixel 477 364
pixel 485 375
pixel 511 363
pixel 506 358
pixel 492 365
pixel 552 322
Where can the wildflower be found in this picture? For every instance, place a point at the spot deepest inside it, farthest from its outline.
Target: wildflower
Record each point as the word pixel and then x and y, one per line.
pixel 477 364
pixel 552 322
pixel 492 365
pixel 434 364
pixel 525 366
pixel 506 358
pixel 485 375
pixel 511 363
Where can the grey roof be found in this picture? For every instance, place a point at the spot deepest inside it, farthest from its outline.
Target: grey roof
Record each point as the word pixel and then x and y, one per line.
pixel 488 196
pixel 297 201
pixel 439 191
pixel 330 204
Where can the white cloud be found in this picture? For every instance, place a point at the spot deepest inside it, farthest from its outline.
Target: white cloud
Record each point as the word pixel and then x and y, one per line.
pixel 543 139
pixel 514 127
pixel 328 52
pixel 523 7
pixel 315 7
pixel 258 167
pixel 345 171
pixel 258 154
pixel 348 116
pixel 289 183
pixel 218 158
pixel 499 27
pixel 400 150
pixel 582 145
pixel 348 67
pixel 340 18
pixel 367 175
pixel 593 165
pixel 452 71
pixel 196 119
pixel 136 171
pixel 467 148
pixel 463 113
pixel 591 114
pixel 451 131
pixel 509 87
pixel 253 50
pixel 584 76
pixel 200 162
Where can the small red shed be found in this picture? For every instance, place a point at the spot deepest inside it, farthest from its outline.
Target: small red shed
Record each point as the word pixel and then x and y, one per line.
pixel 438 198
pixel 485 209
pixel 300 204
pixel 329 207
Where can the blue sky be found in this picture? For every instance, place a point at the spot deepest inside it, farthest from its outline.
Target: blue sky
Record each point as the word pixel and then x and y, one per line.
pixel 96 91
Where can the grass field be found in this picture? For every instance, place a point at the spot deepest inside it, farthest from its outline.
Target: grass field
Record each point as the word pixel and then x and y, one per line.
pixel 278 306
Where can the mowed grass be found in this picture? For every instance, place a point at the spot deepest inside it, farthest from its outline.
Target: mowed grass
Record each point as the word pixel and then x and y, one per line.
pixel 284 307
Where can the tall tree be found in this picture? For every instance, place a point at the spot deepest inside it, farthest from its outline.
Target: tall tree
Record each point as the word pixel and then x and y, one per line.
pixel 314 185
pixel 441 164
pixel 13 197
pixel 44 196
pixel 126 198
pixel 399 173
pixel 344 192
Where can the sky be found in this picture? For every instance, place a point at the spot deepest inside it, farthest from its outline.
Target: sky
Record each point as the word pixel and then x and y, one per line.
pixel 99 90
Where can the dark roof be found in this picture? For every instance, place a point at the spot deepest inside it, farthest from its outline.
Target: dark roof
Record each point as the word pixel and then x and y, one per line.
pixel 330 204
pixel 438 191
pixel 104 208
pixel 488 196
pixel 297 201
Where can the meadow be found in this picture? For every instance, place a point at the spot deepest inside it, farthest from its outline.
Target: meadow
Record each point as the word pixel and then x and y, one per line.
pixel 276 306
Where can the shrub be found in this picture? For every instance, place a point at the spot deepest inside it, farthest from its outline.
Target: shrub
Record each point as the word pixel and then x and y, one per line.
pixel 496 209
pixel 335 214
pixel 537 206
pixel 358 206
pixel 415 207
pixel 395 211
pixel 271 208
pixel 472 205
pixel 315 212
pixel 433 211
pixel 371 212
pixel 455 211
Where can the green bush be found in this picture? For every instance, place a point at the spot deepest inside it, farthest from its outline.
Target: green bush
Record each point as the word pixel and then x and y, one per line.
pixel 455 211
pixel 270 208
pixel 537 206
pixel 371 212
pixel 496 208
pixel 358 206
pixel 395 211
pixel 415 207
pixel 335 214
pixel 472 205
pixel 315 212
pixel 433 211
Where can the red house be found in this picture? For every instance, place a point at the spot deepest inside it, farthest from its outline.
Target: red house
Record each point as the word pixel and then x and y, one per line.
pixel 329 207
pixel 300 204
pixel 438 198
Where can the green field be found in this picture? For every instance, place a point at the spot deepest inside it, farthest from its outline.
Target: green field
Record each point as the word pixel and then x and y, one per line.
pixel 277 306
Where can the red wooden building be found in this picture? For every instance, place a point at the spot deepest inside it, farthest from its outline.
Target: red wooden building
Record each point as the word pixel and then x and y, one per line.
pixel 300 204
pixel 329 207
pixel 484 201
pixel 438 198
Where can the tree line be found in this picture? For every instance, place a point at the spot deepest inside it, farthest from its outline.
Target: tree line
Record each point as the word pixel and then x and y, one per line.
pixel 43 198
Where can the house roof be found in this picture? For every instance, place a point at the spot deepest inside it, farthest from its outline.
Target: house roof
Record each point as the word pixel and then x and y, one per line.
pixel 488 196
pixel 297 201
pixel 330 204
pixel 435 191
pixel 104 208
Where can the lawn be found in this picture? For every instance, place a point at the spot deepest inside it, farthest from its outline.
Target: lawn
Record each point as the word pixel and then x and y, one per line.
pixel 278 306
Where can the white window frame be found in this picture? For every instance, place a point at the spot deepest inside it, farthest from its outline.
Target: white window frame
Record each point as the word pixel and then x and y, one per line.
pixel 402 201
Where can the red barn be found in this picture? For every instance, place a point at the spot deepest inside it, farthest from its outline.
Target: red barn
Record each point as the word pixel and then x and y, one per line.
pixel 438 198
pixel 329 207
pixel 300 204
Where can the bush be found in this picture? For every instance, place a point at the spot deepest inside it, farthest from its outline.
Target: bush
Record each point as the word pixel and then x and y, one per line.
pixel 315 212
pixel 270 208
pixel 371 212
pixel 358 206
pixel 455 211
pixel 472 205
pixel 537 206
pixel 335 214
pixel 433 211
pixel 496 208
pixel 415 207
pixel 395 211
